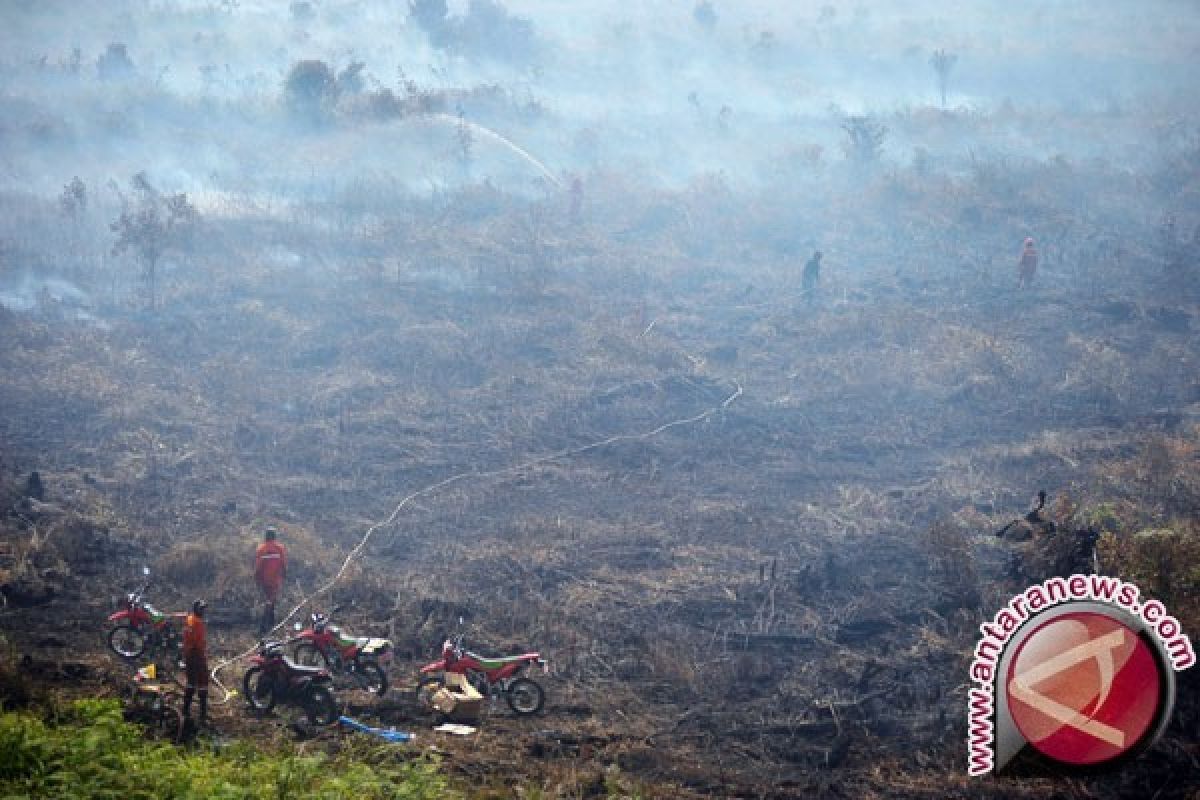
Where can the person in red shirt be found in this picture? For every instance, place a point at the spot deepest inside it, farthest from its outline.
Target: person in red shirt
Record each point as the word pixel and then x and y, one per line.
pixel 1027 266
pixel 195 660
pixel 270 571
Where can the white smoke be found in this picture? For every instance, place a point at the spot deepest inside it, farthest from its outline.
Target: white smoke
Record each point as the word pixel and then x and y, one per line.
pixel 48 296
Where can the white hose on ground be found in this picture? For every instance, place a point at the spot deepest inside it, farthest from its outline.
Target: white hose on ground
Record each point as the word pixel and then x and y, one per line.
pixel 433 487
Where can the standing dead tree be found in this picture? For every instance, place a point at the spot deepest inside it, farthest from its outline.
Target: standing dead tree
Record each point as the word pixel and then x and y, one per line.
pixel 149 225
pixel 73 200
pixel 865 137
pixel 943 64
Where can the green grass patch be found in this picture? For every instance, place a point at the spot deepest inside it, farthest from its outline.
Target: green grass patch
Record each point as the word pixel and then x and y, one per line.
pixel 90 751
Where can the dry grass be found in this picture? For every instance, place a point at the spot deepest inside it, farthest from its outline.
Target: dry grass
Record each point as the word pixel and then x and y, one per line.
pixel 704 594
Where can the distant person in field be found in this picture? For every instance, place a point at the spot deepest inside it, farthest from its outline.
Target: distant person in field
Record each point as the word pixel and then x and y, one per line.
pixel 195 660
pixel 811 277
pixel 270 571
pixel 1027 265
pixel 34 487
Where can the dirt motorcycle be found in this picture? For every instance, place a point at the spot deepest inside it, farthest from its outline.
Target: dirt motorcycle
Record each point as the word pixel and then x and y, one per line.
pixel 139 627
pixel 273 679
pixel 362 658
pixel 491 677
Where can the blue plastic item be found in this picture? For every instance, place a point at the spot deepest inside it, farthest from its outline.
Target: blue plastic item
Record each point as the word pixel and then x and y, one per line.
pixel 387 734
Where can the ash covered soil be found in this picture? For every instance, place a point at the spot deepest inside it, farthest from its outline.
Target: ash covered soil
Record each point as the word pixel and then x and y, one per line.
pixel 752 534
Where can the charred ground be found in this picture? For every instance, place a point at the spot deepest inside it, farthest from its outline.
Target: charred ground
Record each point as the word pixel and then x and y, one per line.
pixel 777 597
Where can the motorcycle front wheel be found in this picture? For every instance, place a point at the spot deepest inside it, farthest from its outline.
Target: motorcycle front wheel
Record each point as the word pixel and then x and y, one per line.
pixel 127 641
pixel 259 689
pixel 370 676
pixel 525 696
pixel 427 687
pixel 321 706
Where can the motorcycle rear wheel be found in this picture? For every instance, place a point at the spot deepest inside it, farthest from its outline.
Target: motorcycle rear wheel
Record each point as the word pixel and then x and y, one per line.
pixel 370 676
pixel 259 689
pixel 128 641
pixel 427 687
pixel 525 696
pixel 321 706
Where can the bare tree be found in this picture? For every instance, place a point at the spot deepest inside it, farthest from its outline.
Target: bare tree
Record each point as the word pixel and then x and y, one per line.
pixel 865 138
pixel 943 63
pixel 149 226
pixel 73 200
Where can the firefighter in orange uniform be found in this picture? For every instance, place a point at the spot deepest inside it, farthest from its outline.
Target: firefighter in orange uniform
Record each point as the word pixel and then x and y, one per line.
pixel 270 571
pixel 195 660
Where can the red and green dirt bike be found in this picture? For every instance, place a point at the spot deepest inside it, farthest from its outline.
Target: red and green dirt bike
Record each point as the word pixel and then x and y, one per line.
pixel 139 627
pixel 491 677
pixel 273 679
pixel 363 659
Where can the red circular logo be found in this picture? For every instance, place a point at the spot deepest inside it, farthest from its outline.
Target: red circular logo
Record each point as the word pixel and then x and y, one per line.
pixel 1083 688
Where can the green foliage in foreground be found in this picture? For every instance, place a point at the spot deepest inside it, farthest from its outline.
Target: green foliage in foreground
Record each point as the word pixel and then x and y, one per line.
pixel 91 752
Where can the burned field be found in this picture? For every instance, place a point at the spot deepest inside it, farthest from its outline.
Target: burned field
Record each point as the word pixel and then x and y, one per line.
pixel 509 324
pixel 753 535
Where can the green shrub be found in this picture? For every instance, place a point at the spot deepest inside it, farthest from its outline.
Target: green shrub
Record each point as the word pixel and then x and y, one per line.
pixel 91 752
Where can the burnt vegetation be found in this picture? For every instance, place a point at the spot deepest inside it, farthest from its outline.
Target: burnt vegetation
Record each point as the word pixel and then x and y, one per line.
pixel 753 533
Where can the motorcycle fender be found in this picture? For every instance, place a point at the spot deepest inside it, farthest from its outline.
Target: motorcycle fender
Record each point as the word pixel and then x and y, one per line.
pixel 118 615
pixel 436 666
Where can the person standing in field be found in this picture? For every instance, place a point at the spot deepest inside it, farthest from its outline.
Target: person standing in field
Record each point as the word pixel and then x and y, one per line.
pixel 1027 265
pixel 195 661
pixel 270 571
pixel 811 277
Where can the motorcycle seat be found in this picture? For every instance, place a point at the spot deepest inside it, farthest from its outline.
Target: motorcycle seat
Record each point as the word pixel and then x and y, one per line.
pixel 493 663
